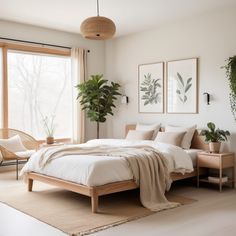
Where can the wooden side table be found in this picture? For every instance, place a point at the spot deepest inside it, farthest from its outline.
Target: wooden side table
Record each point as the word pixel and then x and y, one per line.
pixel 51 145
pixel 219 161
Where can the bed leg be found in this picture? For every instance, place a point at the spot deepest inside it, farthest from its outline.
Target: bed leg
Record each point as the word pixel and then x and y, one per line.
pixel 94 203
pixel 30 185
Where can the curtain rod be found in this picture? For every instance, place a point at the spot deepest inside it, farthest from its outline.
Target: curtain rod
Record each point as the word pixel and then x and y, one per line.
pixel 32 42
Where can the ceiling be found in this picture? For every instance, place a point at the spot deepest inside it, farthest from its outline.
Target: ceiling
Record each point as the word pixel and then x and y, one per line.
pixel 130 16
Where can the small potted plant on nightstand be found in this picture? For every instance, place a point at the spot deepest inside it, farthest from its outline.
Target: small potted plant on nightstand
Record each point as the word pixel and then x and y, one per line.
pixel 214 137
pixel 49 129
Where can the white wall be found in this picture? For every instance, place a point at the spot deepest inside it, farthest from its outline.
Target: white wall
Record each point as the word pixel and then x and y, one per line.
pixel 211 38
pixel 96 56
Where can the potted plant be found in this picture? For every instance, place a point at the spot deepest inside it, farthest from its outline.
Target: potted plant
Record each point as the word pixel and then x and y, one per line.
pixel 231 75
pixel 49 128
pixel 97 97
pixel 214 137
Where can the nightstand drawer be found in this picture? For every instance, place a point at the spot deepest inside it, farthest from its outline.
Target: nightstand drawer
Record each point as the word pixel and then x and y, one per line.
pixel 209 161
pixel 228 161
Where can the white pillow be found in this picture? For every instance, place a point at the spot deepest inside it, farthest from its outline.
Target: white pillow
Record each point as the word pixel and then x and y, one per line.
pixel 25 154
pixel 149 127
pixel 187 139
pixel 13 144
pixel 139 135
pixel 174 138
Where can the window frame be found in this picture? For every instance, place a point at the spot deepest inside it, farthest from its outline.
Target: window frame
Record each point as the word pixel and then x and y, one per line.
pixel 30 49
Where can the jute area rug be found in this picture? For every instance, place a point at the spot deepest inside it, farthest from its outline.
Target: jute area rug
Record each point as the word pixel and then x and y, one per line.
pixel 71 212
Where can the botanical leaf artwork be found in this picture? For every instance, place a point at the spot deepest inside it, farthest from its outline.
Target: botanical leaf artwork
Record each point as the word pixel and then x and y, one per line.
pixel 150 88
pixel 183 88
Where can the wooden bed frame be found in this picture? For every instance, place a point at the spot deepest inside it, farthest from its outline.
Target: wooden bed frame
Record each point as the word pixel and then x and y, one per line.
pixel 95 192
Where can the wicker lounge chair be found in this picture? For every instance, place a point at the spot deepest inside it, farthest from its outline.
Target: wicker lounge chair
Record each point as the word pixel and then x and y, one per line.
pixel 8 157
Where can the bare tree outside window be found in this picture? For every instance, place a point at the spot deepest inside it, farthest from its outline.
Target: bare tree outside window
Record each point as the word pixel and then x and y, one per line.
pixel 39 86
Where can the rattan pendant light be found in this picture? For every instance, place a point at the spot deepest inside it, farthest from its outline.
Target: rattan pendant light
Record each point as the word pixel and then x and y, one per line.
pixel 98 27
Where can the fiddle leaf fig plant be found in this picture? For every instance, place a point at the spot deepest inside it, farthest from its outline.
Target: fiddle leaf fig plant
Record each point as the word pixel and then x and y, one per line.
pixel 97 97
pixel 231 75
pixel 213 134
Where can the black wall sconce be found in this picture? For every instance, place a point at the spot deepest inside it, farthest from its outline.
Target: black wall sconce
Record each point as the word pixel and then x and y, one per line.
pixel 207 98
pixel 124 99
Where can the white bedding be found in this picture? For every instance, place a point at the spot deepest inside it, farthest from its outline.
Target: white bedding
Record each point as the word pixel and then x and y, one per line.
pixel 99 170
pixel 193 155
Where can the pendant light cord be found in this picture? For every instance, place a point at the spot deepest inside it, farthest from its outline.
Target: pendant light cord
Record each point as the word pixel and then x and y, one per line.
pixel 97 8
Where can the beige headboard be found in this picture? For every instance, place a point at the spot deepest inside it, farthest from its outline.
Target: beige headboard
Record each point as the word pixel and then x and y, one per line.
pixel 197 141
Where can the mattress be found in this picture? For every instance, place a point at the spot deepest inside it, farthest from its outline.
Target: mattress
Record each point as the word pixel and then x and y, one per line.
pixel 92 170
pixel 88 170
pixel 193 155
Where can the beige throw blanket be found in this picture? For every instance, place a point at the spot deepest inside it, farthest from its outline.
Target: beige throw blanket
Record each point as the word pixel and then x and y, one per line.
pixel 149 169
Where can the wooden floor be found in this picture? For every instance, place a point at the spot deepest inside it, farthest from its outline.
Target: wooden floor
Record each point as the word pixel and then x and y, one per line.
pixel 213 214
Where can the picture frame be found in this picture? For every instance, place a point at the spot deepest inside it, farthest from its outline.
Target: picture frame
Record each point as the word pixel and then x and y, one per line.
pixel 182 86
pixel 151 87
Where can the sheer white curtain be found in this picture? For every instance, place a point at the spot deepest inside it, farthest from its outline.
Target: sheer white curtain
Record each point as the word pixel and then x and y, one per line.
pixel 1 90
pixel 79 74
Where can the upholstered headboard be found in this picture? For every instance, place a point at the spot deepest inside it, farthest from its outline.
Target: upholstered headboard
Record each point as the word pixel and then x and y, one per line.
pixel 197 141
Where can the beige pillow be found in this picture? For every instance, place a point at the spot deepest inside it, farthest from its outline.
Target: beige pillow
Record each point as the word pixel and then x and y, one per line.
pixel 13 144
pixel 174 138
pixel 149 127
pixel 189 132
pixel 139 135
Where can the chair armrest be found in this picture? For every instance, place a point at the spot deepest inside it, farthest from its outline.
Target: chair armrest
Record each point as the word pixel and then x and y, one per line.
pixel 7 155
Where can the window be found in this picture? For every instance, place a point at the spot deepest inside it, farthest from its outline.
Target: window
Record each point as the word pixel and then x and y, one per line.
pixel 38 82
pixel 39 86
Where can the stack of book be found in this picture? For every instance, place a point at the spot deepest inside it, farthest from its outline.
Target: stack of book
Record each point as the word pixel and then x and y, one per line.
pixel 216 179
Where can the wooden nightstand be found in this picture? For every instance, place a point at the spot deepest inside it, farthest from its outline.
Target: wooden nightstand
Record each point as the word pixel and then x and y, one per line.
pixel 217 161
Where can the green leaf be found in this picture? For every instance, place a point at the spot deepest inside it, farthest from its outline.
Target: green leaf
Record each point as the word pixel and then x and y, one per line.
pixel 145 97
pixel 180 78
pixel 97 97
pixel 188 87
pixel 211 126
pixel 143 89
pixel 185 98
pixel 189 80
pixel 181 99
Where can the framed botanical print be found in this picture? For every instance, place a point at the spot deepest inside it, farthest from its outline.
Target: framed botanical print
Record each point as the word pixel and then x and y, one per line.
pixel 182 86
pixel 151 88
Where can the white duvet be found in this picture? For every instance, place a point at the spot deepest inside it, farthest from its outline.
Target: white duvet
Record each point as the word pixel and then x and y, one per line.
pixel 99 170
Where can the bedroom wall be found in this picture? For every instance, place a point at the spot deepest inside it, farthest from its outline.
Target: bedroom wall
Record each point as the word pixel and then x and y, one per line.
pixel 210 37
pixel 96 56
